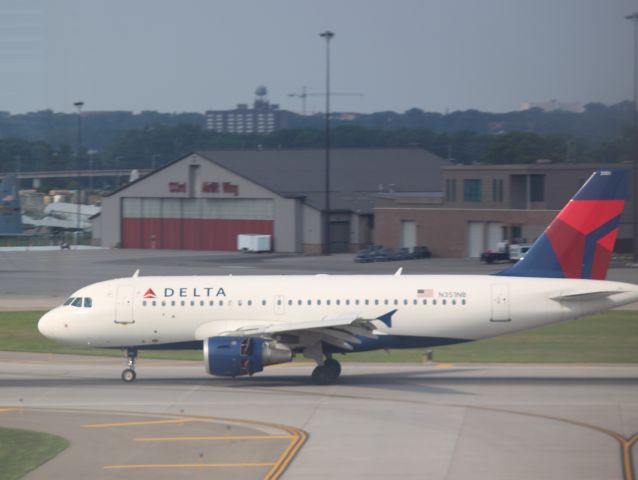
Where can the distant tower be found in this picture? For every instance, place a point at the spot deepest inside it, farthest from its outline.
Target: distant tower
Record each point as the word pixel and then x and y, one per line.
pixel 262 96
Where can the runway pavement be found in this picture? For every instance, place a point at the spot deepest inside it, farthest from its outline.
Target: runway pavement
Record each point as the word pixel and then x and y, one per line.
pixel 381 421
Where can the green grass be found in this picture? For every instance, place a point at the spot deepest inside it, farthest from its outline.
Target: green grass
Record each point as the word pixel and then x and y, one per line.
pixel 22 451
pixel 610 337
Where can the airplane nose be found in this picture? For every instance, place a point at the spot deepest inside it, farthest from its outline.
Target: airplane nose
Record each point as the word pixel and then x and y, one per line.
pixel 46 325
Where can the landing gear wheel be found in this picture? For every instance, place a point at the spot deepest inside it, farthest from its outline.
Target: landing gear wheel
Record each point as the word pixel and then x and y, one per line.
pixel 128 375
pixel 334 365
pixel 326 374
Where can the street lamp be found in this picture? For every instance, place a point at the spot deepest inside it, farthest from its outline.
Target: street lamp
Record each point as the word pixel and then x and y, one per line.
pixel 634 19
pixel 79 106
pixel 327 35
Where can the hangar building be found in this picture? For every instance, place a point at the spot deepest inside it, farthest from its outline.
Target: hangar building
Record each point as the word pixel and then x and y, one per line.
pixel 203 200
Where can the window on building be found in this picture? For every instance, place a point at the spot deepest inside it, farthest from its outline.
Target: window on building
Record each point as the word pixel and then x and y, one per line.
pixel 450 190
pixel 537 188
pixel 497 190
pixel 472 190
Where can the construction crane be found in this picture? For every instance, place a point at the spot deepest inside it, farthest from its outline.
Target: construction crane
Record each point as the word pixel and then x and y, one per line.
pixel 303 95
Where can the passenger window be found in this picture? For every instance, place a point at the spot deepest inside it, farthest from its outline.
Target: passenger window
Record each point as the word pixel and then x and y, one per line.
pixel 211 303
pixel 356 302
pixel 77 302
pixel 240 303
pixel 453 302
pixel 192 303
pixel 463 302
pixel 425 302
pixel 376 302
pixel 327 302
pixel 299 302
pixel 144 303
pixel 163 303
pixel 289 302
pixel 172 303
pixel 182 303
pixel 318 302
pixel 88 303
pixel 250 302
pixel 367 302
pixel 444 302
pixel 309 302
pixel 221 303
pixel 385 302
pixel 415 301
pixel 69 301
pixel 433 302
pixel 201 303
pixel 347 302
pixel 154 303
pixel 396 302
pixel 263 302
pixel 338 302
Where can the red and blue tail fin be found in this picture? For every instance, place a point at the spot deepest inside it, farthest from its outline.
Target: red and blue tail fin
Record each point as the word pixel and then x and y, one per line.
pixel 580 240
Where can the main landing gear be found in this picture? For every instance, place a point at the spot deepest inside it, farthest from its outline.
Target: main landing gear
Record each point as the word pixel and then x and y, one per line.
pixel 128 374
pixel 328 373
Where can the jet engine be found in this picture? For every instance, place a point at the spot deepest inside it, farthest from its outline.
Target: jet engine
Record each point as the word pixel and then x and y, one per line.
pixel 235 356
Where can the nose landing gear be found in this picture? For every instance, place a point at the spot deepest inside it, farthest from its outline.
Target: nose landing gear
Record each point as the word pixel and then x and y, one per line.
pixel 128 374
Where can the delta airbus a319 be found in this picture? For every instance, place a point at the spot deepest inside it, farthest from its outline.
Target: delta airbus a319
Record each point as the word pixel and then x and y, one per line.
pixel 244 323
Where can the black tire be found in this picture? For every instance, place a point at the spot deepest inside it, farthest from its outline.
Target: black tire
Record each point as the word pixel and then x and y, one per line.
pixel 334 366
pixel 128 375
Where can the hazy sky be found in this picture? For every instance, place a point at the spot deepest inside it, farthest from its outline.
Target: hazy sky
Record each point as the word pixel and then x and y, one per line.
pixel 194 55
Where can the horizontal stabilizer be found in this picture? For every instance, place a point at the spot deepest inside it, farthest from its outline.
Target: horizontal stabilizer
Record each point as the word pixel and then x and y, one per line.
pixel 585 296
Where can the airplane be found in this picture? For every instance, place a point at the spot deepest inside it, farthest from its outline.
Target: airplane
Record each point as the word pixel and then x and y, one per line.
pixel 10 219
pixel 244 323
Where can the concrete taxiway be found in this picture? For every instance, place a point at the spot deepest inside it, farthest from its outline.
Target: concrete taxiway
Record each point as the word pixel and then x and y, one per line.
pixel 436 421
pixel 381 421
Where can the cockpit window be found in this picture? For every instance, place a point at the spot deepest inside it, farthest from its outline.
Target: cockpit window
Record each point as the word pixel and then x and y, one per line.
pixel 69 300
pixel 77 302
pixel 88 303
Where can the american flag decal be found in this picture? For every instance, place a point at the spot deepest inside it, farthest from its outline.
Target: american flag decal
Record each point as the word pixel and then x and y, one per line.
pixel 425 293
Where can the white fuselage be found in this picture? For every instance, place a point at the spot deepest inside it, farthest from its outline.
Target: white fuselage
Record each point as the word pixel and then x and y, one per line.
pixel 179 310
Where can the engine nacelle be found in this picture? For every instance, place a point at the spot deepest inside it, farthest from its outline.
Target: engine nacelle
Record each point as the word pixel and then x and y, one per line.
pixel 235 356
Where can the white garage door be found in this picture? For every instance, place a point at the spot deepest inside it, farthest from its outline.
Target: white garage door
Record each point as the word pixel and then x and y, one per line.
pixel 408 234
pixel 494 234
pixel 474 239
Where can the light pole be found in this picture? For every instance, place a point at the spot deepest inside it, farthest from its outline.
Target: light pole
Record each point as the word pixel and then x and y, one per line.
pixel 79 106
pixel 634 19
pixel 327 35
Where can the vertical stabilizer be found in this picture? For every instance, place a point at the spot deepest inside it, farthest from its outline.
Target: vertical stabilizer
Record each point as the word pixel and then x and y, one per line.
pixel 580 240
pixel 10 216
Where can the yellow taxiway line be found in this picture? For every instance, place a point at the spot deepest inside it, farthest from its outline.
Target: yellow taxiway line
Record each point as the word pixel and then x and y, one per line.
pixel 186 465
pixel 134 424
pixel 219 437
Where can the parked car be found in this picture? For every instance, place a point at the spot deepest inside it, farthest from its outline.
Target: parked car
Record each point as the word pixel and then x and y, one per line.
pixel 421 252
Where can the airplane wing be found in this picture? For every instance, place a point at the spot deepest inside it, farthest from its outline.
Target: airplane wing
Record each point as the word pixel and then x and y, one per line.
pixel 341 331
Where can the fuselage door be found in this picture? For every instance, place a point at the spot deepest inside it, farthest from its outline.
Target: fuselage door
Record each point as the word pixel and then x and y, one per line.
pixel 280 304
pixel 500 303
pixel 124 304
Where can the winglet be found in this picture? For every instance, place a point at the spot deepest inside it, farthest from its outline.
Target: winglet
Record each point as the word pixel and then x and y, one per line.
pixel 137 273
pixel 398 272
pixel 387 318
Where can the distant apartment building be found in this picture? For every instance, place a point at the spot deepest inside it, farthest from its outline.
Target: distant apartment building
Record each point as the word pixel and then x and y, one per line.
pixel 263 118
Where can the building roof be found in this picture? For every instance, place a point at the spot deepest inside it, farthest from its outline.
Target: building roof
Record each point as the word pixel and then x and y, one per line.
pixel 357 174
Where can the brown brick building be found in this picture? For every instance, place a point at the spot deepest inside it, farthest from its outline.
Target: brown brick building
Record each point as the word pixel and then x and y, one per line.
pixel 480 205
